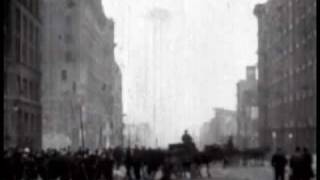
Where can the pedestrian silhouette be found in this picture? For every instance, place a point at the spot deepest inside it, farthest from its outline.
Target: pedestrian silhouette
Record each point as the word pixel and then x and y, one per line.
pixel 296 165
pixel 279 162
pixel 186 138
pixel 307 172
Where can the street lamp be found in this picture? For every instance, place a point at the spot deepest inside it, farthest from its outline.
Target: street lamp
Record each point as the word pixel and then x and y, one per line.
pixel 274 137
pixel 81 108
pixel 290 136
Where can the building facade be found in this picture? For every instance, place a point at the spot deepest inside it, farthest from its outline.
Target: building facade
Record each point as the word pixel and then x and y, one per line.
pixel 287 73
pixel 79 74
pixel 247 110
pixel 22 75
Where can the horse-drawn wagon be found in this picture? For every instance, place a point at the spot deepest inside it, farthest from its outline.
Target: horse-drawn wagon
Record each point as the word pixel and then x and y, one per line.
pixel 181 156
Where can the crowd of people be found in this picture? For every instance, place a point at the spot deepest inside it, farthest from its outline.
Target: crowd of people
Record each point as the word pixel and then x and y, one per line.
pixel 140 163
pixel 300 164
pixel 82 164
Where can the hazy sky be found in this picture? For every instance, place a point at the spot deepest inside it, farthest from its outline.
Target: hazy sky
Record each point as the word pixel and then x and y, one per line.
pixel 181 58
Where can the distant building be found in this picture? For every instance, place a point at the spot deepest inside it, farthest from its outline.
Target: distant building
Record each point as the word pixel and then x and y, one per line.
pixel 247 110
pixel 224 124
pixel 22 74
pixel 287 73
pixel 81 98
pixel 205 135
pixel 138 135
pixel 219 128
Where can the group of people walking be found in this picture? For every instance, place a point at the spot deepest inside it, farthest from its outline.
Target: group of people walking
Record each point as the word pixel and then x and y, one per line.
pixel 300 164
pixel 134 163
pixel 83 164
pixel 52 164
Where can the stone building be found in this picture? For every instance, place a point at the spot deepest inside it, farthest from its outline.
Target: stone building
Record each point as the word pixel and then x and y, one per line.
pixel 22 74
pixel 247 110
pixel 287 73
pixel 79 73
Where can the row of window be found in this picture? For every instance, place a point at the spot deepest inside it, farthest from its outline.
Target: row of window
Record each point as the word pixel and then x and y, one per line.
pixel 290 123
pixel 28 88
pixel 300 95
pixel 299 5
pixel 305 123
pixel 27 55
pixel 304 15
pixel 64 77
pixel 281 53
pixel 25 28
pixel 26 44
pixel 29 121
pixel 291 72
pixel 283 30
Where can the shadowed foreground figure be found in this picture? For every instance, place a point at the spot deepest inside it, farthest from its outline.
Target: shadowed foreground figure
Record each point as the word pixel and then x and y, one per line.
pixel 295 165
pixel 307 165
pixel 301 165
pixel 279 162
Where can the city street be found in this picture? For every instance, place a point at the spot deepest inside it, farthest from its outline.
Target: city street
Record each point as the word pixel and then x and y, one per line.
pixel 241 173
pixel 159 90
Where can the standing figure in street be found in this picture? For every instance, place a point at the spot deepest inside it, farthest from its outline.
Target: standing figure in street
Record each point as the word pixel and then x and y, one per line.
pixel 137 163
pixel 279 162
pixel 186 138
pixel 167 169
pixel 296 165
pixel 108 166
pixel 307 165
pixel 128 163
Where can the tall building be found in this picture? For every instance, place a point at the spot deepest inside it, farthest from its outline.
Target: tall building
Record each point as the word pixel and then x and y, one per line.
pixel 247 110
pixel 80 87
pixel 22 74
pixel 287 73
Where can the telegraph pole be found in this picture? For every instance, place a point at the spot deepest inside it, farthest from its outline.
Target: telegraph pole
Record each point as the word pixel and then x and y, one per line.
pixel 81 128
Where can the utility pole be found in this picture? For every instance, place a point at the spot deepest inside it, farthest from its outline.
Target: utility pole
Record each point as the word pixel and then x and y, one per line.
pixel 81 128
pixel 100 137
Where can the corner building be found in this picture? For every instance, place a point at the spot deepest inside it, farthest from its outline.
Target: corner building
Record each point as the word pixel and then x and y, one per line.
pixel 22 75
pixel 287 73
pixel 78 80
